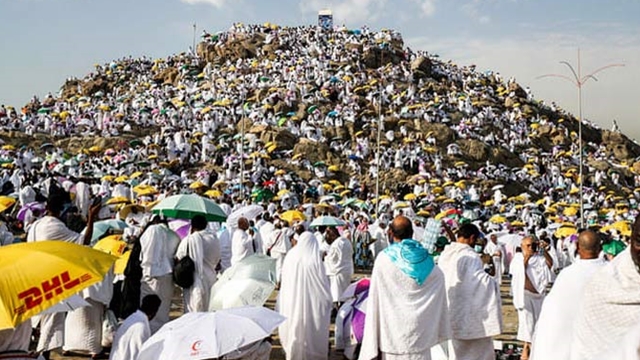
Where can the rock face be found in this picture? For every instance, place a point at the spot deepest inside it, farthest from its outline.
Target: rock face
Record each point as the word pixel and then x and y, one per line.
pixel 422 67
pixel 314 151
pixel 619 145
pixel 441 132
pixel 168 76
pixel 474 150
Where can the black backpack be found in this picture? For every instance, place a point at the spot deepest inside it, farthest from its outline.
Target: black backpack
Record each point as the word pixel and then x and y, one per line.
pixel 183 271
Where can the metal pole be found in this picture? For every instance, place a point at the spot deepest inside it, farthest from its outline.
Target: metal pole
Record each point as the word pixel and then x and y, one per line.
pixel 195 53
pixel 578 80
pixel 378 146
pixel 242 119
pixel 580 141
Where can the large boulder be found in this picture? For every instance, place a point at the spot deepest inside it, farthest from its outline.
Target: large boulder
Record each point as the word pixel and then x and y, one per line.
pixel 443 134
pixel 313 151
pixel 422 67
pixel 474 149
pixel 168 76
pixel 500 155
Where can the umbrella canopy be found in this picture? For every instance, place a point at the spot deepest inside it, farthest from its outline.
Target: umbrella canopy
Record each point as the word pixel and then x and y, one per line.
pixel 112 244
pixel 248 282
pixel 205 335
pixel 6 202
pixel 33 207
pixel 250 212
pixel 62 270
pixel 327 221
pixel 100 228
pixel 188 206
pixel 181 227
pixel 292 216
pixel 118 200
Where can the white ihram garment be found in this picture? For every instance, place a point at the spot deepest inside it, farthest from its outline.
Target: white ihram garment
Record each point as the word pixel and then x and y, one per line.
pixel 204 250
pixel 474 303
pixel 305 301
pixel 554 331
pixel 158 245
pixel 339 266
pixel 610 308
pixel 401 333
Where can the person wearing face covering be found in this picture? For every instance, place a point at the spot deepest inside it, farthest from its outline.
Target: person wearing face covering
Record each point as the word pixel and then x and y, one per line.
pixel 305 300
pixel 473 297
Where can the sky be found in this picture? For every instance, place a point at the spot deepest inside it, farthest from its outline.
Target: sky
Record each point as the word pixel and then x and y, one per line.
pixel 42 42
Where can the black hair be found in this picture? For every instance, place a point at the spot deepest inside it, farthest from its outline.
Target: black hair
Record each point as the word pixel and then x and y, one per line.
pixel 150 304
pixel 199 222
pixel 466 231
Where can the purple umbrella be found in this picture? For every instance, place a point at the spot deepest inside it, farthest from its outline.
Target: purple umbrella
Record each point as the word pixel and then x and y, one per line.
pixel 357 313
pixel 181 227
pixel 33 207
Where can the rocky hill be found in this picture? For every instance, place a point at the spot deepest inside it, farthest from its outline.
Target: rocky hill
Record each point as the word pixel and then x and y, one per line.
pixel 429 106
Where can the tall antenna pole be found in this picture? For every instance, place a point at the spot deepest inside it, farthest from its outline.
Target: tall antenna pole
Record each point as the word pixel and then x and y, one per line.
pixel 378 146
pixel 578 80
pixel 195 53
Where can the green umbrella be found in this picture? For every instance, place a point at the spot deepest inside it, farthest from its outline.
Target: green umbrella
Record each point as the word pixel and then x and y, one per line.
pixel 282 121
pixel 311 109
pixel 613 247
pixel 264 195
pixel 327 221
pixel 135 142
pixel 188 206
pixel 43 111
pixel 319 163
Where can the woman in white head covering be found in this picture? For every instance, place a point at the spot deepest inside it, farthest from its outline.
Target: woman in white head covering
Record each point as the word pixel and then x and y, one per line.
pixel 305 300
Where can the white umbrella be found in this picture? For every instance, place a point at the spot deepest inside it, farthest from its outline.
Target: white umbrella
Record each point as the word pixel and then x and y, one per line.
pixel 249 282
pixel 327 221
pixel 206 335
pixel 250 212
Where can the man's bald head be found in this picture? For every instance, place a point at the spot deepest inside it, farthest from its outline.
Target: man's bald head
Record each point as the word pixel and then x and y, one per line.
pixel 401 228
pixel 588 245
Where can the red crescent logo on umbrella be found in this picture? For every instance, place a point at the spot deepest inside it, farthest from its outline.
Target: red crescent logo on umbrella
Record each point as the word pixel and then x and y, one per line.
pixel 196 346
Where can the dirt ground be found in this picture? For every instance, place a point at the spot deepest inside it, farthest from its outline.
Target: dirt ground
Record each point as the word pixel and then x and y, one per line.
pixel 510 322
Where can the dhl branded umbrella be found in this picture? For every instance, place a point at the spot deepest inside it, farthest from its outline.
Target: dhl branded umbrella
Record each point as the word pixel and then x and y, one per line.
pixel 62 269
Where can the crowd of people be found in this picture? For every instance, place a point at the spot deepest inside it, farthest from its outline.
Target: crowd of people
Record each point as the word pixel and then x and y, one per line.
pixel 439 241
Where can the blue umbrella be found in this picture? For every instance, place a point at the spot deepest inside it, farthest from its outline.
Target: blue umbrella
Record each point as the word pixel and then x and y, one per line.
pixel 100 228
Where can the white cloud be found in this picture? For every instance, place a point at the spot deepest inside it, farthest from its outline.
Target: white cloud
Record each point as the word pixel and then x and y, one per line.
pixel 216 3
pixel 428 7
pixel 538 52
pixel 353 12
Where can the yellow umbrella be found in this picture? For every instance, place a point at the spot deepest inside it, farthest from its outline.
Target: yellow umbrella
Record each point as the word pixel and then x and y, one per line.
pixel 346 192
pixel 570 211
pixel 8 147
pixel 135 174
pixel 124 212
pixel 518 224
pixel 333 168
pixel 118 200
pixel 410 197
pixel 565 231
pixel 6 202
pixel 498 219
pixel 112 244
pixel 213 193
pixel 63 269
pixel 144 190
pixel 283 192
pixel 197 185
pixel 107 178
pixel 292 216
pixel 121 179
pixel 121 263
